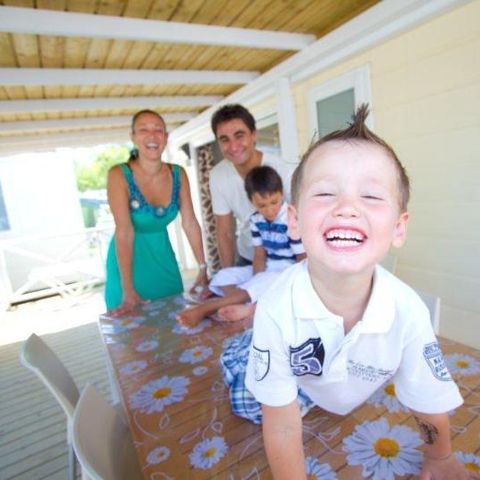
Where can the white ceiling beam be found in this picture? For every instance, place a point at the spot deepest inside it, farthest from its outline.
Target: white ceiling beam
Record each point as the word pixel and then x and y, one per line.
pixel 69 24
pixel 79 76
pixel 89 122
pixel 14 144
pixel 100 103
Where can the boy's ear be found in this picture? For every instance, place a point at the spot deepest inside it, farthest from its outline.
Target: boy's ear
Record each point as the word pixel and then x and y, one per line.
pixel 292 220
pixel 400 232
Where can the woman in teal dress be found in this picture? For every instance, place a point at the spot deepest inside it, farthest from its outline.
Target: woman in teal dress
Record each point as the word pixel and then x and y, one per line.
pixel 145 194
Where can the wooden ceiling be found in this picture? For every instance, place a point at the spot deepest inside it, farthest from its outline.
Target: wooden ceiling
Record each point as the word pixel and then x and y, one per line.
pixel 61 72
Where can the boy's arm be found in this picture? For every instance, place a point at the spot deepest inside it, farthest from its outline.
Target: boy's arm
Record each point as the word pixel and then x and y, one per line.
pixel 439 462
pixel 259 260
pixel 300 256
pixel 282 436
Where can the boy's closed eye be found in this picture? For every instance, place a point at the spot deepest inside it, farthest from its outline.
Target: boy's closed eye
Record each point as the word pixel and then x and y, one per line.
pixel 372 197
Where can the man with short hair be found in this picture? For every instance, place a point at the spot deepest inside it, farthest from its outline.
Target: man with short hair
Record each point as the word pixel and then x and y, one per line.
pixel 234 128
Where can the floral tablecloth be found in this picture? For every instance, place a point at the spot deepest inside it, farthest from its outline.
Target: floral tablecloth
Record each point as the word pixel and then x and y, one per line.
pixel 178 408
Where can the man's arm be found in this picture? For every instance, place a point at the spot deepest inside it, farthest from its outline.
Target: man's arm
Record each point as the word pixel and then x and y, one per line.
pixel 282 437
pixel 439 462
pixel 226 239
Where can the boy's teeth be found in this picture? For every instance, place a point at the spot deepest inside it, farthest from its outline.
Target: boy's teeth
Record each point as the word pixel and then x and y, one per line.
pixel 345 236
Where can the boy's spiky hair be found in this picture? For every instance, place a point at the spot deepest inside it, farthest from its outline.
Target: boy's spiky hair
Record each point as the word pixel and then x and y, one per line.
pixel 356 130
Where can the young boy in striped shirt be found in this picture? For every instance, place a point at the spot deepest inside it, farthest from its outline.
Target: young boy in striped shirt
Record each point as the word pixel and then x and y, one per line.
pixel 274 251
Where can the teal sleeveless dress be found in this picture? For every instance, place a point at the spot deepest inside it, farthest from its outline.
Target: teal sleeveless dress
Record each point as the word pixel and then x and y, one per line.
pixel 155 270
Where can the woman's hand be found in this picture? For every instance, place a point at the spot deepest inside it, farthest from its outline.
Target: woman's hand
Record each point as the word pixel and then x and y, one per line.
pixel 201 282
pixel 131 299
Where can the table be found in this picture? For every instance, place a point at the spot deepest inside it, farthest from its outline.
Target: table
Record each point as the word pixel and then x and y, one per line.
pixel 171 386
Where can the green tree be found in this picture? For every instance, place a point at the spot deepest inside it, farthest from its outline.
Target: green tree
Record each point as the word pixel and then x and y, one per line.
pixel 93 175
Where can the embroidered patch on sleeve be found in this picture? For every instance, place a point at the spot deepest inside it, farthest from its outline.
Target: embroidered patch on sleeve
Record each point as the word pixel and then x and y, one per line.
pixel 261 363
pixel 434 358
pixel 308 358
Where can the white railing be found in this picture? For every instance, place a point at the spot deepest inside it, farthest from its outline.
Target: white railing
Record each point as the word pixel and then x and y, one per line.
pixel 67 264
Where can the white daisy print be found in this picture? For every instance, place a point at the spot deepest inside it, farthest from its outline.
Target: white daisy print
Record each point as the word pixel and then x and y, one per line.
pixel 147 346
pixel 318 471
pixel 470 461
pixel 199 371
pixel 181 330
pixel 385 397
pixel 196 354
pixel 158 455
pixel 128 323
pixel 383 451
pixel 157 394
pixel 179 300
pixel 460 363
pixel 131 368
pixel 153 306
pixel 208 452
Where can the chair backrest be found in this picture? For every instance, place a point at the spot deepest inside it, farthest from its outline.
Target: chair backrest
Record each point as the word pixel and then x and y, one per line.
pixel 433 304
pixel 102 440
pixel 37 356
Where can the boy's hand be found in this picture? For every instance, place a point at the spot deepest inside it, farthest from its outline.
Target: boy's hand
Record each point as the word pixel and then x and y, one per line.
pixel 447 469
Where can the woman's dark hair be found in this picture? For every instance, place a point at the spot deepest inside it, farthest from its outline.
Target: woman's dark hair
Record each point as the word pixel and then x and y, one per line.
pixel 264 181
pixel 232 112
pixel 142 112
pixel 357 130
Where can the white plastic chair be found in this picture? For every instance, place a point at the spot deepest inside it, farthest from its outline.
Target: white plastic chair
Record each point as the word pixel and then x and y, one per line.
pixel 37 356
pixel 102 440
pixel 433 304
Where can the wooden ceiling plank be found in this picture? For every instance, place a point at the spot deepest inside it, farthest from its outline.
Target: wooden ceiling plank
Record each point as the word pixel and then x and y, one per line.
pixel 162 9
pixel 186 11
pixel 137 54
pixel 48 22
pixel 7 52
pixel 219 12
pixel 137 8
pixel 75 52
pixel 81 6
pixel 97 53
pixel 116 55
pixel 51 4
pixel 51 51
pixel 26 48
pixel 111 7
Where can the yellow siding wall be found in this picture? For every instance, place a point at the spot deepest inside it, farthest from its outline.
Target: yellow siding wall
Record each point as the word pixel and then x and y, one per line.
pixel 426 103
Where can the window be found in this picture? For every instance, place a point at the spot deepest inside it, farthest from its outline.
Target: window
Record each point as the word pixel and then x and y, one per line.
pixel 4 223
pixel 332 104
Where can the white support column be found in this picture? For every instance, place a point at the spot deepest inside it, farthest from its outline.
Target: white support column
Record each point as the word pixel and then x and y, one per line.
pixel 287 121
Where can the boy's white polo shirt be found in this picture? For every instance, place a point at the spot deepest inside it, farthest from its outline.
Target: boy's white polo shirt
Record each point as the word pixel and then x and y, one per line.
pixel 298 343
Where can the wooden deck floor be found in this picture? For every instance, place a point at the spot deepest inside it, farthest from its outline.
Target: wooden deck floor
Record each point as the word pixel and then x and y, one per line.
pixel 32 425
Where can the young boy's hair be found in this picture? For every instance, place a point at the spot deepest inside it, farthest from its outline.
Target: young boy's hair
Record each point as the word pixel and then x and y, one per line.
pixel 264 181
pixel 232 111
pixel 357 130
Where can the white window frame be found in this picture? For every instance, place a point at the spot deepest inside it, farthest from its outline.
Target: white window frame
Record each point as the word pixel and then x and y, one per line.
pixel 358 80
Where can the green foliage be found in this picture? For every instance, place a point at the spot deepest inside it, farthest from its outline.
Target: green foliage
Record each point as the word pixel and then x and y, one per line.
pixel 93 175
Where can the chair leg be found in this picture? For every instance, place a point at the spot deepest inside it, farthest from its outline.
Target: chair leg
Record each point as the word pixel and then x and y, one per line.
pixel 72 463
